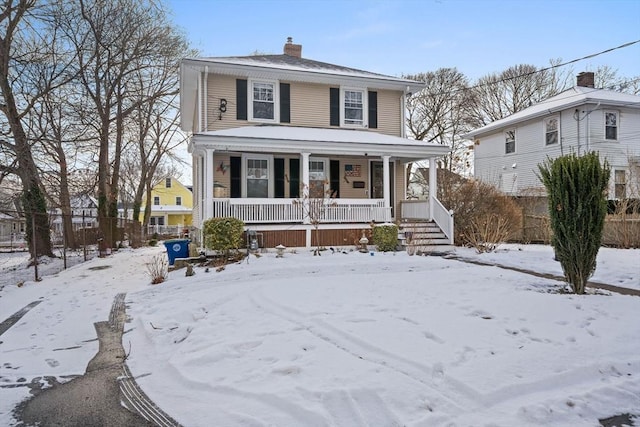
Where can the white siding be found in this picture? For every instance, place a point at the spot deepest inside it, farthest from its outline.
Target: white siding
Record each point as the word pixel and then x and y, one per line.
pixel 494 166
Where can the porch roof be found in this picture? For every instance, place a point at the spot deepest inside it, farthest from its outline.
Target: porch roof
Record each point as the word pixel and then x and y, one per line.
pixel 291 139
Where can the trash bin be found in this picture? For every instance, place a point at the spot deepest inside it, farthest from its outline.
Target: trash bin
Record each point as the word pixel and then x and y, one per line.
pixel 177 248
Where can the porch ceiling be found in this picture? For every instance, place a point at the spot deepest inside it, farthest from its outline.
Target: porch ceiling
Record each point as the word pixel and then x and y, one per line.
pixel 290 139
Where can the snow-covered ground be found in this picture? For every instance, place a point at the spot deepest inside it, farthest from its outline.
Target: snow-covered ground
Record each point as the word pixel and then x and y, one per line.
pixel 346 339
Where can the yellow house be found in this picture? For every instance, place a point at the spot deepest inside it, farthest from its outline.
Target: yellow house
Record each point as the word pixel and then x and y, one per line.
pixel 171 209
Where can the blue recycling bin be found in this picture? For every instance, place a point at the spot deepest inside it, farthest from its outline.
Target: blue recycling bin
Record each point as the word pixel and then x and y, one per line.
pixel 177 248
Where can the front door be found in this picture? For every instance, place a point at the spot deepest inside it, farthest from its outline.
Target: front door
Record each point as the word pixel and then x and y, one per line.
pixel 377 182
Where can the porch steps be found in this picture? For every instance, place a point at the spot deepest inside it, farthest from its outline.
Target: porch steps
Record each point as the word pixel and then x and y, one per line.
pixel 423 237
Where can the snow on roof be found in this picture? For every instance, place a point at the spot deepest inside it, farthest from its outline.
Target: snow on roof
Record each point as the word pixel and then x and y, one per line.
pixel 293 133
pixel 292 63
pixel 578 95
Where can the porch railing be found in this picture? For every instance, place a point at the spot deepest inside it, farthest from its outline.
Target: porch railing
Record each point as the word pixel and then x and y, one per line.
pixel 255 210
pixel 444 219
pixel 419 210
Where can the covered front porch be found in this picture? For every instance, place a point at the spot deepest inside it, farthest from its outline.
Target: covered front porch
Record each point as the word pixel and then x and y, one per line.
pixel 294 179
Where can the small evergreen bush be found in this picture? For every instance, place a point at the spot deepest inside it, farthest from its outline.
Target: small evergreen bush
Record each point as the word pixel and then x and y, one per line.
pixel 385 237
pixel 223 234
pixel 576 188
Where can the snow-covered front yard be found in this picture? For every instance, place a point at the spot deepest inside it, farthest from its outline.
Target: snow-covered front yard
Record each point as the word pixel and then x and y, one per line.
pixel 347 339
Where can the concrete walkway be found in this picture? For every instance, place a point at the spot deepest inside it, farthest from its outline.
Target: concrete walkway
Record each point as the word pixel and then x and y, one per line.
pixel 95 398
pixel 590 284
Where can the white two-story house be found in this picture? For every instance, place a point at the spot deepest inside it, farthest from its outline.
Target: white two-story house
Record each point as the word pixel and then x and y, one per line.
pixel 508 151
pixel 271 133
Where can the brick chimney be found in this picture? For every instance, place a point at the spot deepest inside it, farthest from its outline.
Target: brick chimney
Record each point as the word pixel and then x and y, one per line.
pixel 292 49
pixel 586 79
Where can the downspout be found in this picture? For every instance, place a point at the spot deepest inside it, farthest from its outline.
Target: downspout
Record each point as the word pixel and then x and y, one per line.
pixel 577 117
pixel 206 98
pixel 588 129
pixel 199 102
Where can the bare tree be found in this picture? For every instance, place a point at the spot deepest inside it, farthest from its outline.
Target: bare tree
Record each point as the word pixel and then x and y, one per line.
pixel 499 95
pixel 440 114
pixel 27 73
pixel 115 42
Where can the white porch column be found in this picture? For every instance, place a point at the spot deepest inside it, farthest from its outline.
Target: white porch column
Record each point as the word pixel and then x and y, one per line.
pixel 433 185
pixel 386 182
pixel 305 188
pixel 207 210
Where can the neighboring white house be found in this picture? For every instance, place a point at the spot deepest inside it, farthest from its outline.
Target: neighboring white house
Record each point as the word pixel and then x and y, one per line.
pixel 84 212
pixel 581 119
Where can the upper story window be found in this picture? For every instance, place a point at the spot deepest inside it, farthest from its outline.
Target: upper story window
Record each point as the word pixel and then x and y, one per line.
pixel 552 130
pixel 353 112
pixel 167 182
pixel 178 200
pixel 156 200
pixel 510 141
pixel 611 125
pixel 263 101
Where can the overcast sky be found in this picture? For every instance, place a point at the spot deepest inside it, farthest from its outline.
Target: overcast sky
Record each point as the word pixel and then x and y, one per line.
pixel 398 37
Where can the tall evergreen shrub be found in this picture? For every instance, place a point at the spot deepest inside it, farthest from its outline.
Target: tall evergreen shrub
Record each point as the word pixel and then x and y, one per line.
pixel 576 188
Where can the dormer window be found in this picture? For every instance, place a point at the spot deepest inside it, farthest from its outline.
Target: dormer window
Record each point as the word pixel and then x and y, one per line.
pixel 263 98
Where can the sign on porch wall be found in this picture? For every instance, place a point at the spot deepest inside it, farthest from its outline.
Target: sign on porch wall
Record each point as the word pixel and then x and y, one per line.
pixel 352 170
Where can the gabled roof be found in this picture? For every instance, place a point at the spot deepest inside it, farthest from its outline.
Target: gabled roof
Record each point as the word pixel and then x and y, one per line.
pixel 576 96
pixel 319 141
pixel 289 66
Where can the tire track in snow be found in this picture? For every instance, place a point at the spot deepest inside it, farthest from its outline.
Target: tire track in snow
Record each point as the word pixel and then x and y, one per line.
pixel 457 396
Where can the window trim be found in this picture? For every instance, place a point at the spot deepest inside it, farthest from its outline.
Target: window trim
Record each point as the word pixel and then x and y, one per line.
pixel 325 168
pixel 270 177
pixel 276 100
pixel 365 107
pixel 617 126
pixel 178 200
pixel 546 130
pixel 156 199
pixel 616 183
pixel 167 183
pixel 515 138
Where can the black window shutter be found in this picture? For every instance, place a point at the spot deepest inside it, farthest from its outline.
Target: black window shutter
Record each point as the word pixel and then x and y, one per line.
pixel 334 178
pixel 241 99
pixel 334 106
pixel 278 172
pixel 285 103
pixel 236 177
pixel 294 178
pixel 373 110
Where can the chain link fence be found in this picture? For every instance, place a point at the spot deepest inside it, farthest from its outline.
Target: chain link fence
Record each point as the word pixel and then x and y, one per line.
pixel 73 238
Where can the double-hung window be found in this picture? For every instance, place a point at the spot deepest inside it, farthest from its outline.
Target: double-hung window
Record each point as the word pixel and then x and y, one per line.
pixel 167 182
pixel 620 183
pixel 317 177
pixel 552 130
pixel 257 176
pixel 353 107
pixel 611 125
pixel 510 141
pixel 156 200
pixel 263 101
pixel 178 201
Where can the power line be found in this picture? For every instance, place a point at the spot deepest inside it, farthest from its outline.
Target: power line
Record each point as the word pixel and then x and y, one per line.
pixel 593 55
